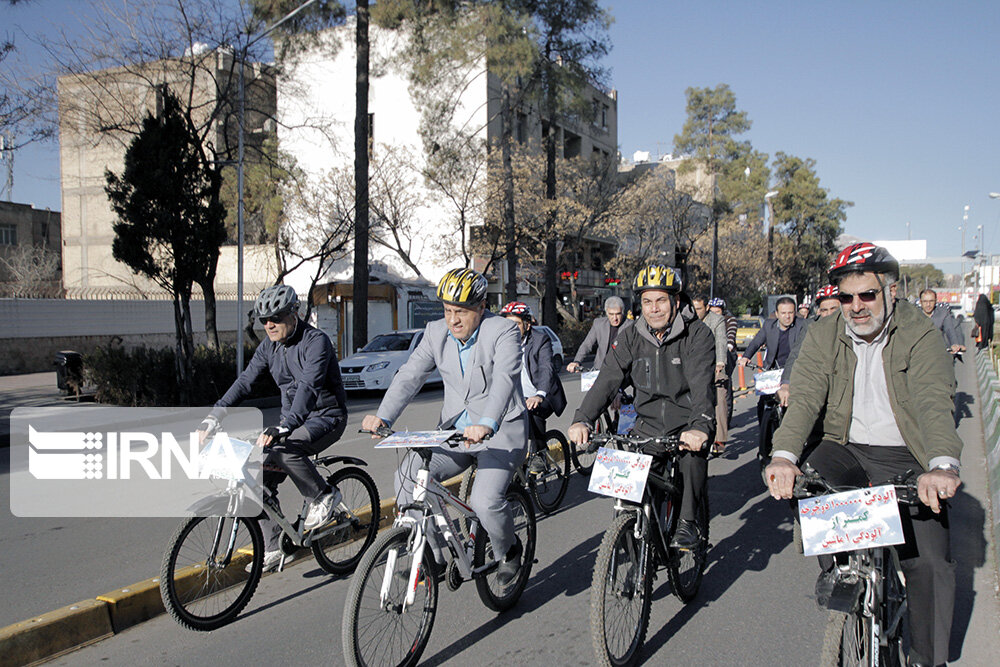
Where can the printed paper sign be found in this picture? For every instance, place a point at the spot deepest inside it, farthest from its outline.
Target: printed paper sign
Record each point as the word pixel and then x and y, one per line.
pixel 850 520
pixel 224 458
pixel 406 439
pixel 767 382
pixel 626 419
pixel 620 474
pixel 587 380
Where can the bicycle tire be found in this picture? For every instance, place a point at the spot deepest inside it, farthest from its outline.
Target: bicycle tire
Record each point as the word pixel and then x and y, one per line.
pixel 339 553
pixel 363 607
pixel 893 614
pixel 767 429
pixel 464 490
pixel 201 596
pixel 549 488
pixel 686 568
pixel 616 569
pixel 582 461
pixel 494 595
pixel 847 640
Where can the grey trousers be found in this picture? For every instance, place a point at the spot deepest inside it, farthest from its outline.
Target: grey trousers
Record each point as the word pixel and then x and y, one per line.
pixel 488 496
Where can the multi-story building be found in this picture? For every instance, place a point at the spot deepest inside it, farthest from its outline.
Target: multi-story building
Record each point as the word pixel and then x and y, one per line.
pixel 439 230
pixel 99 113
pixel 29 251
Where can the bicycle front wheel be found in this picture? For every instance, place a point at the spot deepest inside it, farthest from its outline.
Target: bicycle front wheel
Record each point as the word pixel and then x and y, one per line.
pixel 495 595
pixel 620 594
pixel 340 551
pixel 204 586
pixel 685 568
pixel 548 488
pixel 379 628
pixel 847 641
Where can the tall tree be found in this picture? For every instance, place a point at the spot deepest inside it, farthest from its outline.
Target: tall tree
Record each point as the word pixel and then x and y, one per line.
pixel 362 145
pixel 170 222
pixel 710 136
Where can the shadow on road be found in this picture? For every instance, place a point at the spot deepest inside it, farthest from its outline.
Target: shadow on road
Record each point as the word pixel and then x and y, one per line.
pixel 962 410
pixel 968 549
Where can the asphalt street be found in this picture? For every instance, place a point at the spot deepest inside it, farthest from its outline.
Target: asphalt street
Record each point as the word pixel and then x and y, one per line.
pixel 754 607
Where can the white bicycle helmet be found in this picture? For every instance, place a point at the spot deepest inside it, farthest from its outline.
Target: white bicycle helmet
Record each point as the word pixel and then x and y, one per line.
pixel 275 301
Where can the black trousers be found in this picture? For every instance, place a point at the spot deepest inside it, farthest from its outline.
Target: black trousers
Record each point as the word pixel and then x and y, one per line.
pixel 925 558
pixel 290 458
pixel 536 425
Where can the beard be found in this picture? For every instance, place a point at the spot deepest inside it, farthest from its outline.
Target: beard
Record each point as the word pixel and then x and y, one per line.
pixel 874 323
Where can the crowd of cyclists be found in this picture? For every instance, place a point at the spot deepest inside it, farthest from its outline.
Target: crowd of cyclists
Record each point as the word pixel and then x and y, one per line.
pixel 867 386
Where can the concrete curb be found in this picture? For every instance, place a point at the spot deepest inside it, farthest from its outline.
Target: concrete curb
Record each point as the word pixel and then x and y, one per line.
pixel 54 633
pixel 989 401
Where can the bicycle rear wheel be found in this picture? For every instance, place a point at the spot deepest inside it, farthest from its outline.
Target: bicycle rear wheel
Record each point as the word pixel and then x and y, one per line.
pixel 340 551
pixel 495 595
pixel 620 594
pixel 389 632
pixel 201 588
pixel 685 568
pixel 582 461
pixel 549 488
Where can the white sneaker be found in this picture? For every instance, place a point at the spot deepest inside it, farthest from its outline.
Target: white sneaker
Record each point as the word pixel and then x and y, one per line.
pixel 321 510
pixel 271 561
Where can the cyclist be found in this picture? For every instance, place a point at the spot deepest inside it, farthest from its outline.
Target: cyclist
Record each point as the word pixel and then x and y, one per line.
pixel 804 311
pixel 886 385
pixel 543 391
pixel 717 325
pixel 313 416
pixel 602 335
pixel 779 334
pixel 827 304
pixel 669 354
pixel 479 357
pixel 940 315
pixel 718 305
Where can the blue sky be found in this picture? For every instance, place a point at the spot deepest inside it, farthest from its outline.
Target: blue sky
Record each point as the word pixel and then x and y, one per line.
pixel 896 101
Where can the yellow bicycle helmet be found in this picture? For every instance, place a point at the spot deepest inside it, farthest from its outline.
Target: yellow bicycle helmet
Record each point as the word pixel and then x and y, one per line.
pixel 657 276
pixel 462 287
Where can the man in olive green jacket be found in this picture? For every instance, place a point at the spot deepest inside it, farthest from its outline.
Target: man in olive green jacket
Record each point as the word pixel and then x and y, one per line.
pixel 880 377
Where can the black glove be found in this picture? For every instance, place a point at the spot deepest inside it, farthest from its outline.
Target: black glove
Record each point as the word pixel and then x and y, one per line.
pixel 277 433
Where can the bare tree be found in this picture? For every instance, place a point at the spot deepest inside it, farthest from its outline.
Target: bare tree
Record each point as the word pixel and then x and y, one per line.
pixel 32 272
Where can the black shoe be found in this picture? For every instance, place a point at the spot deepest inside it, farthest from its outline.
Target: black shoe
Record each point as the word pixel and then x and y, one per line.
pixel 687 536
pixel 511 564
pixel 536 464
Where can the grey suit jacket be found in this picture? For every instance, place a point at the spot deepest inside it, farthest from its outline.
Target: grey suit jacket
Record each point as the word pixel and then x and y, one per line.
pixel 768 336
pixel 599 336
pixel 717 325
pixel 490 388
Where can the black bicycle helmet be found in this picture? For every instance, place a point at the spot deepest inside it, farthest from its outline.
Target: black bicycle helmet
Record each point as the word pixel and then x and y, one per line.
pixel 657 276
pixel 462 287
pixel 276 300
pixel 862 258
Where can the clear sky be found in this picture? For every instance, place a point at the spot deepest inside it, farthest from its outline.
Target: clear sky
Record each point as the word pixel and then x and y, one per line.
pixel 897 102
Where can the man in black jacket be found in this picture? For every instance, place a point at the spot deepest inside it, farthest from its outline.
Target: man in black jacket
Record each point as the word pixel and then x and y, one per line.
pixel 543 391
pixel 669 355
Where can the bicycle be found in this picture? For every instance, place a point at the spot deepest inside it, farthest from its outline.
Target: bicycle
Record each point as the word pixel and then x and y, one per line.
pixel 583 460
pixel 204 582
pixel 392 599
pixel 868 603
pixel 547 488
pixel 772 414
pixel 635 544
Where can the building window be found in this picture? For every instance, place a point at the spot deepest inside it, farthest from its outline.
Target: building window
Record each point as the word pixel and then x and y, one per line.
pixel 604 116
pixel 8 234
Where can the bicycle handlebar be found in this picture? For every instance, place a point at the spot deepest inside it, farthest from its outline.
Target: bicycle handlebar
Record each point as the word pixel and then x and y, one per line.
pixel 453 440
pixel 670 443
pixel 810 479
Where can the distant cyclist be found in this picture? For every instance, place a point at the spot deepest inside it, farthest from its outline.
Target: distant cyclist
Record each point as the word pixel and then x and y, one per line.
pixel 543 391
pixel 313 416
pixel 717 325
pixel 669 354
pixel 602 335
pixel 884 387
pixel 827 304
pixel 479 357
pixel 940 315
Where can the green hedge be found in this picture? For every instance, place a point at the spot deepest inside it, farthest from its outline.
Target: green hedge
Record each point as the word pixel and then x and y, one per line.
pixel 145 376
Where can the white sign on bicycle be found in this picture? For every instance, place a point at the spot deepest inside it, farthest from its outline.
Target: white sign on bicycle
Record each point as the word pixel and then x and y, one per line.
pixel 620 474
pixel 850 520
pixel 767 382
pixel 224 458
pixel 587 380
pixel 407 439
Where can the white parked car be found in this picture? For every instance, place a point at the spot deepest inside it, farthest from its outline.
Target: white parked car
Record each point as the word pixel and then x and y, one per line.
pixel 557 346
pixel 374 365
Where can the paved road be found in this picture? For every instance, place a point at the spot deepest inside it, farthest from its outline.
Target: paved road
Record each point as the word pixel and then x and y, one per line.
pixel 754 606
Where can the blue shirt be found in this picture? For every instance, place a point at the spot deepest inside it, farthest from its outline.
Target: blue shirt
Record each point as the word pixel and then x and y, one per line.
pixel 464 350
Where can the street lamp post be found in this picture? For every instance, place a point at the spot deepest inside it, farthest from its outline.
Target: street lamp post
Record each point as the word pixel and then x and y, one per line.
pixel 770 228
pixel 241 119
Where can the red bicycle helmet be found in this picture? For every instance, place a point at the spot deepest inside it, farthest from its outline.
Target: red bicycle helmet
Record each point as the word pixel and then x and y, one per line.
pixel 518 309
pixel 828 292
pixel 861 258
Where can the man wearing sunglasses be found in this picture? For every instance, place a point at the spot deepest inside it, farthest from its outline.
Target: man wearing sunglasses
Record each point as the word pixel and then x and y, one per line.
pixel 304 365
pixel 879 376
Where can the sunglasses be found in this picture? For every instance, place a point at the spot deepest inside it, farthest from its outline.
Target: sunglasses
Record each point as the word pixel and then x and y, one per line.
pixel 868 296
pixel 274 319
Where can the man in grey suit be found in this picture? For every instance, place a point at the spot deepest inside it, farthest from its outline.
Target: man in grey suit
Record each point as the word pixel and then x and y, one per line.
pixel 479 358
pixel 602 334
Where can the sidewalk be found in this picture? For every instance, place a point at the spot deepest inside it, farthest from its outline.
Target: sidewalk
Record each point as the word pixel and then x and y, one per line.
pixel 30 390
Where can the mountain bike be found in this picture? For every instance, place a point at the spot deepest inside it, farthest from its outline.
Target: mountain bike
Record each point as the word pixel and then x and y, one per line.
pixel 393 596
pixel 547 488
pixel 868 602
pixel 215 559
pixel 772 414
pixel 635 544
